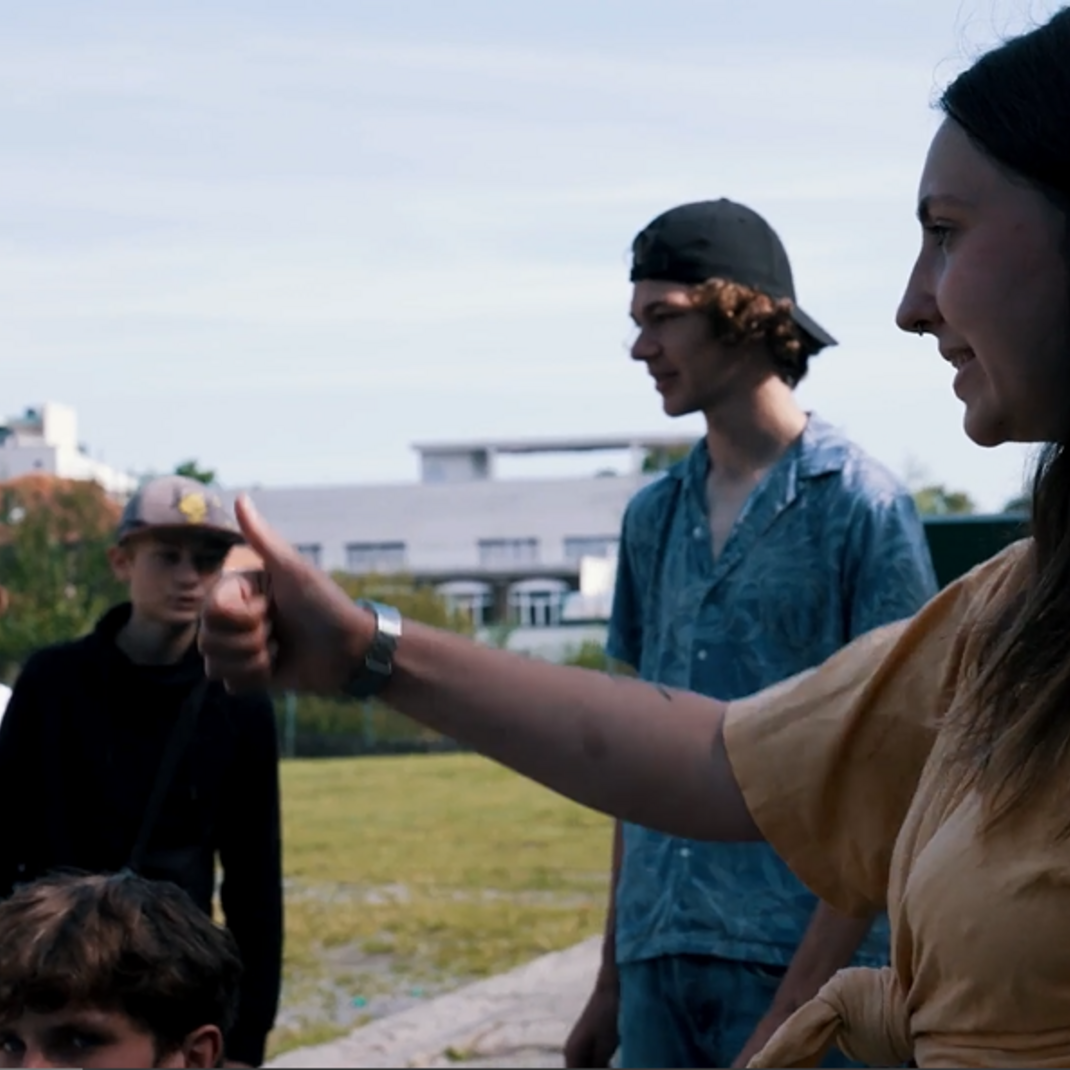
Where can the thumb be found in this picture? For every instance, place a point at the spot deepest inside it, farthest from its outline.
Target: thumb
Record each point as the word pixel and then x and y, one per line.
pixel 231 599
pixel 273 549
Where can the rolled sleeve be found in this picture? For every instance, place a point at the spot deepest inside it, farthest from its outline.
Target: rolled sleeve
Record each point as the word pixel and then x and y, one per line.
pixel 829 760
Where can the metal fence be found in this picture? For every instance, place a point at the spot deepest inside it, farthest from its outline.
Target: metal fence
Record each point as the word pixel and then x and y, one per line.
pixel 958 543
pixel 315 727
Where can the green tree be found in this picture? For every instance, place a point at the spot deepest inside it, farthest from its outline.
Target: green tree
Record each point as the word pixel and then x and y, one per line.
pixel 937 500
pixel 588 655
pixel 932 498
pixel 54 536
pixel 191 470
pixel 1022 505
pixel 413 600
pixel 657 460
pixel 330 726
pixel 497 635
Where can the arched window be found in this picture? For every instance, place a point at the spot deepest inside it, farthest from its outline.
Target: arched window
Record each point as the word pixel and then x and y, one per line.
pixel 537 603
pixel 469 597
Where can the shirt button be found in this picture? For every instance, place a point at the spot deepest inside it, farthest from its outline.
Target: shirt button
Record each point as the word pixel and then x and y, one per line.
pixel 701 655
pixel 697 532
pixel 685 852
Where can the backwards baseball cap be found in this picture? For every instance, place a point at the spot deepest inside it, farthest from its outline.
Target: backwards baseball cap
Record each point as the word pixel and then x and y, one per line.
pixel 177 503
pixel 720 240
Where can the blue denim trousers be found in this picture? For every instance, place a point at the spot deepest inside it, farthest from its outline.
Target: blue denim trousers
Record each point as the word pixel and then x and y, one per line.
pixel 694 1011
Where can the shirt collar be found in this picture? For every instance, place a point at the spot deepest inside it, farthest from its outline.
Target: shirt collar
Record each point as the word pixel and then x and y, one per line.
pixel 821 449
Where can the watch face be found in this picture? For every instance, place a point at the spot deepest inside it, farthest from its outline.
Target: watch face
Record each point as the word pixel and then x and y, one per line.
pixel 378 663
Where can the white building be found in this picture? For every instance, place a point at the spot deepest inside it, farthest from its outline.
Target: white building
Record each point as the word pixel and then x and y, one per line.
pixel 44 440
pixel 534 554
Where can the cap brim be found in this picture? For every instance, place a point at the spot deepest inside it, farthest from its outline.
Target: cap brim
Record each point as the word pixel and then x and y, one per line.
pixel 817 334
pixel 224 535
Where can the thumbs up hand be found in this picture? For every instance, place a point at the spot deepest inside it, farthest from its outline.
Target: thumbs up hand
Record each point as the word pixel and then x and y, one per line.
pixel 289 626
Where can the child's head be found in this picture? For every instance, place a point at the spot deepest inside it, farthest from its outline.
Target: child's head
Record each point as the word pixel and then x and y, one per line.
pixel 169 573
pixel 172 541
pixel 113 971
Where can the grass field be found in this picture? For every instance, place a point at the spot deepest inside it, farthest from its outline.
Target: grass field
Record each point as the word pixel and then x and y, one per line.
pixel 409 876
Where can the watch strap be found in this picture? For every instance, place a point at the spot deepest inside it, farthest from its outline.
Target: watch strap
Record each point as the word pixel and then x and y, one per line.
pixel 378 664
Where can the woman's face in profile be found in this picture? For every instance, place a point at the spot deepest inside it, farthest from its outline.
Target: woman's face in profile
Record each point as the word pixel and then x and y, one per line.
pixel 992 285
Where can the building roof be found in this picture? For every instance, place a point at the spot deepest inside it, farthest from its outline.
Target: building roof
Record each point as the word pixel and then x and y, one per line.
pixel 443 524
pixel 566 444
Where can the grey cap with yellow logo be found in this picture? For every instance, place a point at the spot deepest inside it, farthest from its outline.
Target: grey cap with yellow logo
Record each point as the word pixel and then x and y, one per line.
pixel 177 503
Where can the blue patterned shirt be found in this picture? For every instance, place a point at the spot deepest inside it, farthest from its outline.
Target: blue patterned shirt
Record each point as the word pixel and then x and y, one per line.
pixel 827 547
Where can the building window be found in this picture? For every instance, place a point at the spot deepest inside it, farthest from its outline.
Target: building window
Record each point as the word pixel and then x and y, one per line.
pixel 498 553
pixel 470 599
pixel 312 552
pixel 536 609
pixel 475 608
pixel 579 546
pixel 377 557
pixel 537 603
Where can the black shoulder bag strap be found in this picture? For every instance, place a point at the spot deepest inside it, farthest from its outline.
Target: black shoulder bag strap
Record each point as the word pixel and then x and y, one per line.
pixel 177 745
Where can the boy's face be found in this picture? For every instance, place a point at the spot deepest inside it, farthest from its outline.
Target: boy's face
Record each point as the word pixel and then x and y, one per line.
pixel 169 573
pixel 691 370
pixel 97 1038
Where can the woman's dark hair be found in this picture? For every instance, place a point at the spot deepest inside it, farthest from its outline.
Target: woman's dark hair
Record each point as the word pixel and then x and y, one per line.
pixel 119 943
pixel 1014 105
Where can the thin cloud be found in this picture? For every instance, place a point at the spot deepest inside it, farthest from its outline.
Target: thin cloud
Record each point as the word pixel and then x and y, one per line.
pixel 367 226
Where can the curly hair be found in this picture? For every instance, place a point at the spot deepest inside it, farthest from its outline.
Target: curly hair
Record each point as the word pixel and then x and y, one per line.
pixel 121 943
pixel 740 314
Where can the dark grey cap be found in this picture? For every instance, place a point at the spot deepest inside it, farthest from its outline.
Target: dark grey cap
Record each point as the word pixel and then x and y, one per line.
pixel 177 503
pixel 720 240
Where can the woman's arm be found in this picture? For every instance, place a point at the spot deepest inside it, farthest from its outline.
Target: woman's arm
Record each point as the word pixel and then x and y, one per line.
pixel 637 752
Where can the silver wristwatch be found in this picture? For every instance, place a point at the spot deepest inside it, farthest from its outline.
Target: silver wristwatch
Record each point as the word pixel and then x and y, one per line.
pixel 378 665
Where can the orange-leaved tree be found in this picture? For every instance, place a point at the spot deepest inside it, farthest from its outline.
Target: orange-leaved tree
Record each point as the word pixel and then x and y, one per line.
pixel 54 535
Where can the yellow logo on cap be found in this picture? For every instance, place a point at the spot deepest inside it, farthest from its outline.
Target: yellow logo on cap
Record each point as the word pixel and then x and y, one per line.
pixel 193 507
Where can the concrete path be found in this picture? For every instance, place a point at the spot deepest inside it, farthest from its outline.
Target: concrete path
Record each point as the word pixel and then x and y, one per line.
pixel 518 1019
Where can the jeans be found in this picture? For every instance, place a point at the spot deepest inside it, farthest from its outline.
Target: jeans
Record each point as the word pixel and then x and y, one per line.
pixel 694 1011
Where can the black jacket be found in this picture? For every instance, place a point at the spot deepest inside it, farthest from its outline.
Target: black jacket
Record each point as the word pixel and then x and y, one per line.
pixel 80 743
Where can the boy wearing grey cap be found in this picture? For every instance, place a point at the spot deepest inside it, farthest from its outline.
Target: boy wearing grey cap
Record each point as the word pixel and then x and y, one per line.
pixel 118 754
pixel 775 543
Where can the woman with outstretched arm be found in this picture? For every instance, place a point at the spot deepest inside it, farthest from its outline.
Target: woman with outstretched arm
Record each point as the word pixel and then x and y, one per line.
pixel 925 767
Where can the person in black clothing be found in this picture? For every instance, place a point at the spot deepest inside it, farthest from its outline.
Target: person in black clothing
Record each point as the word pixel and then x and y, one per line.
pixel 93 726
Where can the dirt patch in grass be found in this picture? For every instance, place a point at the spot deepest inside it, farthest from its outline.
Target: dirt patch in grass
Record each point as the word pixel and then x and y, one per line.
pixel 408 877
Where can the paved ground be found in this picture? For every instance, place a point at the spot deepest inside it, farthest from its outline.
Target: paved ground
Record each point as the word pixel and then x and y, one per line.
pixel 519 1019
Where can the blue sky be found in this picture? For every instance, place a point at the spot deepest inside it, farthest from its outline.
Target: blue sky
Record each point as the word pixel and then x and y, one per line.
pixel 290 239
